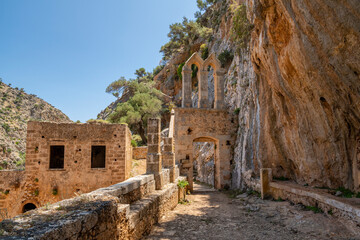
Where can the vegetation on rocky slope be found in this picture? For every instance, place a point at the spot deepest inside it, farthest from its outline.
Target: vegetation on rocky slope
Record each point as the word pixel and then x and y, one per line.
pixel 16 109
pixel 143 102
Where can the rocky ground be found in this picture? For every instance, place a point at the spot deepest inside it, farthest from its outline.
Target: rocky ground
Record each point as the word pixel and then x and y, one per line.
pixel 16 109
pixel 215 215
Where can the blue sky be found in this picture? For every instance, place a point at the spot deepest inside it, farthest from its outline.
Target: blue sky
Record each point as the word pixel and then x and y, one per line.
pixel 68 51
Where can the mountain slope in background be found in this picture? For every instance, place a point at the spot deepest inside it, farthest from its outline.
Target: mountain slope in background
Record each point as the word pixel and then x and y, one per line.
pixel 16 109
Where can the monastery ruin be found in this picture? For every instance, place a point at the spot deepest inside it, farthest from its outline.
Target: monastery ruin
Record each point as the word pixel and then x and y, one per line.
pixel 84 170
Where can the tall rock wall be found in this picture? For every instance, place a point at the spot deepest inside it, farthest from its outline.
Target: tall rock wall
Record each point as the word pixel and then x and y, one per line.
pixel 306 57
pixel 295 88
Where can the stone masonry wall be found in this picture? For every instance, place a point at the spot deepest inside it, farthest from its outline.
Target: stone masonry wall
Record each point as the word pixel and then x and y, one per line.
pixel 206 125
pixel 101 214
pixel 40 185
pixel 139 152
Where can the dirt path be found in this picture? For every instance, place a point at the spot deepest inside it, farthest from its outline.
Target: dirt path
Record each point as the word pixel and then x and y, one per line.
pixel 214 215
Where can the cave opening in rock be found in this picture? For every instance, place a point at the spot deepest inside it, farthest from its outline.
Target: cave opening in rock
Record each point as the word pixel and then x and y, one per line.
pixel 28 207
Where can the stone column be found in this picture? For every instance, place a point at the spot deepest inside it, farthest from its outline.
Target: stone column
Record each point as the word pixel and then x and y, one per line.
pixel 265 179
pixel 186 87
pixel 203 89
pixel 219 89
pixel 153 159
pixel 169 157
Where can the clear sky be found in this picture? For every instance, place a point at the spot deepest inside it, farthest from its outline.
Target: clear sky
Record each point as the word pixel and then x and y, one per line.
pixel 68 51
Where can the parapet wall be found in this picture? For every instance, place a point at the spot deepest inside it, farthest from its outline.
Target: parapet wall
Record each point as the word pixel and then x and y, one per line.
pixel 126 210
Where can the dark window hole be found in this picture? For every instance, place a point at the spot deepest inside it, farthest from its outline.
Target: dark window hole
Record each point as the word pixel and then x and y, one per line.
pixel 98 156
pixel 189 131
pixel 42 136
pixel 57 154
pixel 322 99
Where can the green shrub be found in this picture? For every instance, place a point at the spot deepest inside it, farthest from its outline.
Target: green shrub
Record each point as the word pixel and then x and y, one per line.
pixel 346 193
pixel 225 57
pixel 6 127
pixel 204 51
pixel 133 143
pixel 158 69
pixel 136 140
pixel 314 209
pixel 237 110
pixel 182 184
pixel 36 192
pixel 195 70
pixel 241 28
pixel 179 70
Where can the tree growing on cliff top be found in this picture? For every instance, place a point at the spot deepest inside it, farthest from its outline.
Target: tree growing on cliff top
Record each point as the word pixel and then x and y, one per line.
pixel 144 102
pixel 183 35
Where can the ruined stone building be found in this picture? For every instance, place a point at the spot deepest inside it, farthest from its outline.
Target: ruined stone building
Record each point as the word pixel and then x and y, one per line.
pixel 65 160
pixel 204 123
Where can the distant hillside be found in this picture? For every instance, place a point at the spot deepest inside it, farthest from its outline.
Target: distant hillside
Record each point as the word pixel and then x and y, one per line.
pixel 16 109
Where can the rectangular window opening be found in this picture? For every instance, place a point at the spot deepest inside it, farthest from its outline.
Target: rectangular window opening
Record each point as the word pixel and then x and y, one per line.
pixel 98 156
pixel 57 157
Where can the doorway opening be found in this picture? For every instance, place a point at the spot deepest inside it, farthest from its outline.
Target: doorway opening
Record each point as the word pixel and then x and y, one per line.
pixel 27 207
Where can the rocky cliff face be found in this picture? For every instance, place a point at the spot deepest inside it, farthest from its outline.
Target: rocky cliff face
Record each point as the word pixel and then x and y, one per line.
pixel 306 56
pixel 295 88
pixel 296 91
pixel 16 108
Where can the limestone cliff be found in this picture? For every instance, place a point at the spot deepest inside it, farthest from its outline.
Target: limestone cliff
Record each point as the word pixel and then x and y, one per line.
pixel 294 85
pixel 296 91
pixel 306 56
pixel 16 109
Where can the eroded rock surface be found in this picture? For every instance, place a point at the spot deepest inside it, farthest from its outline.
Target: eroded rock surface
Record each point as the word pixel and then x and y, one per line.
pixel 307 59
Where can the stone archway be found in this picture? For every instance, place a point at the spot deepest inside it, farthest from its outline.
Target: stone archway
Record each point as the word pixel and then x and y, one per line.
pixel 215 170
pixel 28 207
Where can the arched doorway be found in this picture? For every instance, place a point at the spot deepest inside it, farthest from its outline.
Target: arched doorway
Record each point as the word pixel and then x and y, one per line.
pixel 204 165
pixel 28 206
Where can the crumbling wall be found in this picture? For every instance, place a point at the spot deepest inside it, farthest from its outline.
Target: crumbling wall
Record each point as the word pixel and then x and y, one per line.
pixel 126 210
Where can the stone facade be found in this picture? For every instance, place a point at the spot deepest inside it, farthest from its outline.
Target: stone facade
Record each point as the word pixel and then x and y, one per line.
pixel 40 184
pixel 205 125
pixel 139 152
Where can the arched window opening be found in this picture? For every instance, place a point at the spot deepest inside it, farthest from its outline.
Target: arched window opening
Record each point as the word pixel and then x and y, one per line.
pixel 211 86
pixel 29 206
pixel 194 85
